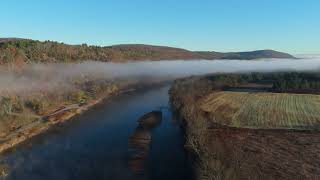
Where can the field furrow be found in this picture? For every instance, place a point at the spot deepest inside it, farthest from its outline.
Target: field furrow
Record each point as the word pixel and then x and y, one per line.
pixel 264 110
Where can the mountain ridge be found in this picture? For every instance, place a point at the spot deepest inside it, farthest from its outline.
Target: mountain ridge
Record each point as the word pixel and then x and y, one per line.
pixel 27 50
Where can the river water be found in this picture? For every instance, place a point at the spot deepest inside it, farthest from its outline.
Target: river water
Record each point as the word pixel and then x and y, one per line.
pixel 95 144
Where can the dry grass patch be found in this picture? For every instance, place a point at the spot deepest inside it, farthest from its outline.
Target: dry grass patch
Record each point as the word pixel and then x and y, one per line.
pixel 263 110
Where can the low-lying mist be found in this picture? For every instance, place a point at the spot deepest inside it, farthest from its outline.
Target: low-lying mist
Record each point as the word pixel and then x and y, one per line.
pixel 53 77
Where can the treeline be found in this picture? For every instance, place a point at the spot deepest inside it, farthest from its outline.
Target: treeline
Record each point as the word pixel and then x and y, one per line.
pixel 18 110
pixel 39 102
pixel 24 51
pixel 295 82
pixel 20 51
pixel 298 82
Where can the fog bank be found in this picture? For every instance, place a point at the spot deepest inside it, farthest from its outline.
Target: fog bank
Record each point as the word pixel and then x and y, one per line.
pixel 46 77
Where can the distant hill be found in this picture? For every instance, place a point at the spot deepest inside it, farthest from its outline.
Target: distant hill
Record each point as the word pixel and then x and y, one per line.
pixel 149 52
pixel 3 40
pixel 19 51
pixel 245 55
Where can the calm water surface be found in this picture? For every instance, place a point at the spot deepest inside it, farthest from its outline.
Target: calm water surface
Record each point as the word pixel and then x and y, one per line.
pixel 95 145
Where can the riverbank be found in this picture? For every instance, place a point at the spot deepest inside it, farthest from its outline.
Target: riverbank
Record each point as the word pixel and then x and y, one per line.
pixel 65 113
pixel 95 145
pixel 227 148
pixel 45 122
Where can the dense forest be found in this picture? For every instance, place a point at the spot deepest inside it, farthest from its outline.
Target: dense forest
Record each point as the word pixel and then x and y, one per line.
pixel 19 51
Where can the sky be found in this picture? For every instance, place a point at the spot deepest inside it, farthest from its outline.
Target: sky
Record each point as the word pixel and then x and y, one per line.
pixel 217 25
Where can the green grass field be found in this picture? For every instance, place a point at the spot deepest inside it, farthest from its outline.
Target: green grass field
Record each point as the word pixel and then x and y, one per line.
pixel 263 110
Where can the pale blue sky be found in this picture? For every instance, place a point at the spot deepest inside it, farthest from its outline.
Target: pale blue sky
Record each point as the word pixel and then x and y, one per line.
pixel 221 25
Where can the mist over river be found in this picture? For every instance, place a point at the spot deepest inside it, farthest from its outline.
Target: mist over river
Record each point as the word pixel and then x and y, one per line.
pixel 53 77
pixel 95 144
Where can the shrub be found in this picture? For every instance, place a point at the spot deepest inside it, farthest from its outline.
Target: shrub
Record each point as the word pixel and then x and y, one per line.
pixel 6 105
pixel 4 170
pixel 79 97
pixel 37 105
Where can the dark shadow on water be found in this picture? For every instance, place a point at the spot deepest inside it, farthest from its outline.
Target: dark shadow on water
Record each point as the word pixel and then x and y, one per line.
pixel 139 142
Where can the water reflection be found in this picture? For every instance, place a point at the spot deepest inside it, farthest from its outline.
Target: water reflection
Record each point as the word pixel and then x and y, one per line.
pixel 140 140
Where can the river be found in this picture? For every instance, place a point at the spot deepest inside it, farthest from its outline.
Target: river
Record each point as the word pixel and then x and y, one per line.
pixel 95 144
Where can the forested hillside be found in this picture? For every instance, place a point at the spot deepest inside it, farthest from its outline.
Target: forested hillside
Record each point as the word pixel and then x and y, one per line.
pixel 19 51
